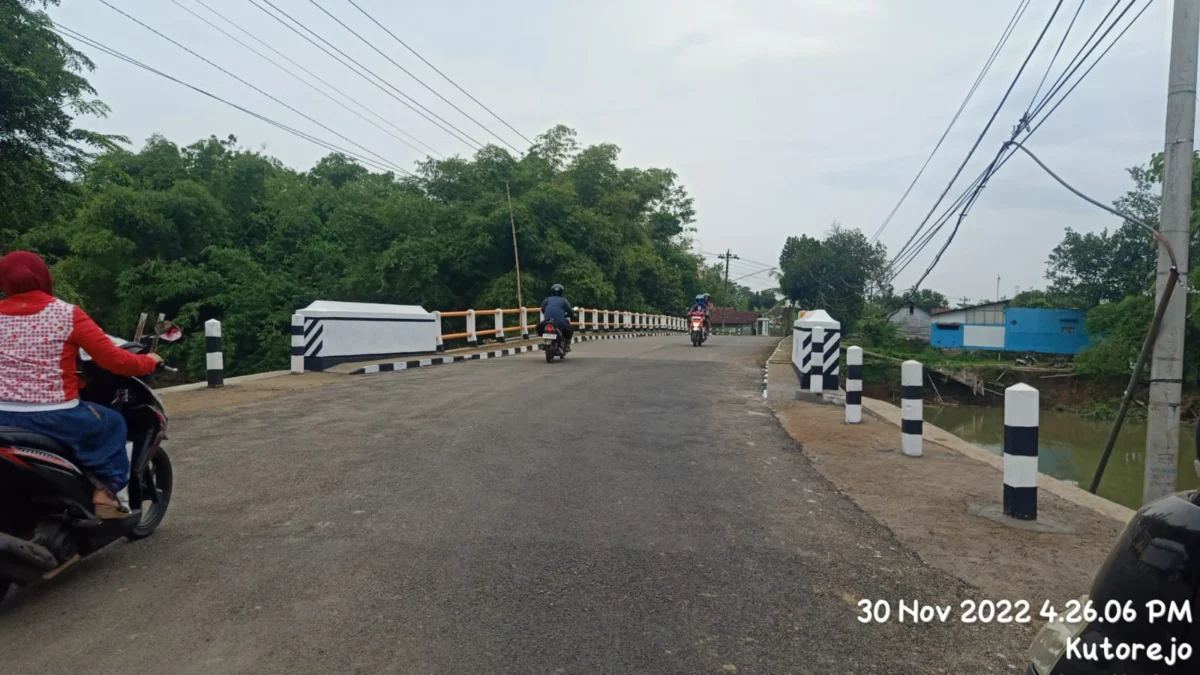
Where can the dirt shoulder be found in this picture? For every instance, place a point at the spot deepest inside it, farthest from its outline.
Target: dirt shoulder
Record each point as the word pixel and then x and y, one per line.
pixel 185 400
pixel 943 505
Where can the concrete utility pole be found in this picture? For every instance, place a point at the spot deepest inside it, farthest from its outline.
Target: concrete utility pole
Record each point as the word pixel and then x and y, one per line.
pixel 516 256
pixel 1166 368
pixel 729 255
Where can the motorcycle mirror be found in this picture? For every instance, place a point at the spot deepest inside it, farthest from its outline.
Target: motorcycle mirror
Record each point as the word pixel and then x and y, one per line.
pixel 168 331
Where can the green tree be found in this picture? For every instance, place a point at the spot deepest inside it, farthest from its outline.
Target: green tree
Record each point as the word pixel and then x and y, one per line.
pixel 836 273
pixel 41 92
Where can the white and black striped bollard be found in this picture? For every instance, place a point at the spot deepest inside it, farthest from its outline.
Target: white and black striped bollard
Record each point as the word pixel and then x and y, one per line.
pixel 912 403
pixel 816 373
pixel 298 343
pixel 214 358
pixel 440 346
pixel 854 374
pixel 1020 451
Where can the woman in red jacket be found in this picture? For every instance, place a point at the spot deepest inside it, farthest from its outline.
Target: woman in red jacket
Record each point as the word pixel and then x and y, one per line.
pixel 40 339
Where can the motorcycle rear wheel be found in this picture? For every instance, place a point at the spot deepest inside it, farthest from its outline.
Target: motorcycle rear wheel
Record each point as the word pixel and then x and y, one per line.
pixel 164 480
pixel 550 355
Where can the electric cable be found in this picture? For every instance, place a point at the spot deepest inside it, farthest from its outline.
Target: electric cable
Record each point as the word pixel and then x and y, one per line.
pixel 439 72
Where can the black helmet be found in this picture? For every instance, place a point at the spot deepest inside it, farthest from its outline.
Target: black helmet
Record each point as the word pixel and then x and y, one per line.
pixel 556 289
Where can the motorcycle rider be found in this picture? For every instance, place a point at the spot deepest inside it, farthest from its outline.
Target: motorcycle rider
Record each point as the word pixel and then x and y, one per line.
pixel 39 389
pixel 703 305
pixel 556 308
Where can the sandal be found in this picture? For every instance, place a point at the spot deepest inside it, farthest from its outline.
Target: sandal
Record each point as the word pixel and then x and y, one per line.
pixel 110 512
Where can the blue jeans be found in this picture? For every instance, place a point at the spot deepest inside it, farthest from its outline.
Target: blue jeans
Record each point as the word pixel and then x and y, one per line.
pixel 97 434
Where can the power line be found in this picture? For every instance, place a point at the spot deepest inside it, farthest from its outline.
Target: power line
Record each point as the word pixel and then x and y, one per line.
pixel 435 69
pixel 1050 66
pixel 294 75
pixel 1008 31
pixel 988 126
pixel 83 39
pixel 406 71
pixel 1067 74
pixel 928 238
pixel 383 159
pixel 461 135
pixel 1064 75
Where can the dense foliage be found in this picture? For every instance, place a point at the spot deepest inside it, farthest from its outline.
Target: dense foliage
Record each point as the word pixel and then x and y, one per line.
pixel 838 273
pixel 212 230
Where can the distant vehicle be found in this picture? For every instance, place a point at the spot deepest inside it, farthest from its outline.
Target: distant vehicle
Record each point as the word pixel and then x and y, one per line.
pixel 554 343
pixel 698 332
pixel 46 517
pixel 1154 568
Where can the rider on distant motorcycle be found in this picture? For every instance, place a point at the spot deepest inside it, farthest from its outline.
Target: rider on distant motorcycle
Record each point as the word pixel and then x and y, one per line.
pixel 703 305
pixel 556 308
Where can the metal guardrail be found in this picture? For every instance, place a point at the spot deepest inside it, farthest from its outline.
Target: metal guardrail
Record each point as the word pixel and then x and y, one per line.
pixel 589 320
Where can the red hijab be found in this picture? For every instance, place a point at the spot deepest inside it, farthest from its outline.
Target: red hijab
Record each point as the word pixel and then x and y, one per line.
pixel 22 271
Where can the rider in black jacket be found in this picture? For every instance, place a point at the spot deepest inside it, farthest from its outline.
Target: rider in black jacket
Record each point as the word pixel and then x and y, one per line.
pixel 556 308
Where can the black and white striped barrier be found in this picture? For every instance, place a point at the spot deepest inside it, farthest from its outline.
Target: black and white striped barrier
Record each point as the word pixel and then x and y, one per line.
pixel 912 403
pixel 214 356
pixel 854 375
pixel 1020 451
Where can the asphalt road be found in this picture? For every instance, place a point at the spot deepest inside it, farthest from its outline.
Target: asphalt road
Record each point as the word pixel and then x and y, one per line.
pixel 635 509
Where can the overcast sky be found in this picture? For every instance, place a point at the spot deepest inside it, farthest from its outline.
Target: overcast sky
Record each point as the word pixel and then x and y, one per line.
pixel 780 116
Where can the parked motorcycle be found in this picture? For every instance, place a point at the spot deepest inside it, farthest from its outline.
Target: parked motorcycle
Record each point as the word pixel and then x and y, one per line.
pixel 1153 569
pixel 46 519
pixel 553 342
pixel 698 332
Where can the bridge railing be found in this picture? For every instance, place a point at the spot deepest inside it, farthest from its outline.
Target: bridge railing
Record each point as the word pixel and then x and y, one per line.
pixel 502 324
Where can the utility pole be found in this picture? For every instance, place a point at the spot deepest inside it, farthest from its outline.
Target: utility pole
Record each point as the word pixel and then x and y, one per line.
pixel 516 256
pixel 1166 368
pixel 997 288
pixel 729 255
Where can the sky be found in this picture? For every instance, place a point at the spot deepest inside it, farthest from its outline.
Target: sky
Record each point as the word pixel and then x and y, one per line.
pixel 780 116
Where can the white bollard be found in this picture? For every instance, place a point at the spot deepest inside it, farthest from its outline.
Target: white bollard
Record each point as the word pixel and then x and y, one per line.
pixel 912 403
pixel 499 325
pixel 1021 418
pixel 816 378
pixel 596 320
pixel 214 357
pixel 608 320
pixel 298 343
pixel 472 339
pixel 854 374
pixel 437 321
pixel 524 324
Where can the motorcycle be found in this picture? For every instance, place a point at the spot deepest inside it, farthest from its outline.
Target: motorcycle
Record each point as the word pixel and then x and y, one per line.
pixel 554 343
pixel 698 332
pixel 46 519
pixel 1154 567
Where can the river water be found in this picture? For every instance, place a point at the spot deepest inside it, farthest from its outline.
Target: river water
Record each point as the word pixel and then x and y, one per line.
pixel 1070 447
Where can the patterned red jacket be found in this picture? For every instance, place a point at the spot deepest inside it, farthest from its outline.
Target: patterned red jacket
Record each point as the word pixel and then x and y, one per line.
pixel 40 339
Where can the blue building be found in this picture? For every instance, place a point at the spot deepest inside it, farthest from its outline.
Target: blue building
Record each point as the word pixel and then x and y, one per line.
pixel 996 326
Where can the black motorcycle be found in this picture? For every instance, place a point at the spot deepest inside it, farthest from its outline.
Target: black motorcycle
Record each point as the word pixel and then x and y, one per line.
pixel 47 521
pixel 554 343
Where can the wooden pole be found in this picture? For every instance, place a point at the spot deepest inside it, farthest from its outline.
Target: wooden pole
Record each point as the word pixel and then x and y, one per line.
pixel 512 221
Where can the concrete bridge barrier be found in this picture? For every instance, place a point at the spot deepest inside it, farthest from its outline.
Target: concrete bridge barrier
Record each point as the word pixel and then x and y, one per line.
pixel 328 333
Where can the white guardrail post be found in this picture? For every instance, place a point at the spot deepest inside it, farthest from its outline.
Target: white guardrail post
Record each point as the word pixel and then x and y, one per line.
pixel 472 339
pixel 583 320
pixel 298 343
pixel 596 320
pixel 437 319
pixel 912 403
pixel 499 325
pixel 524 323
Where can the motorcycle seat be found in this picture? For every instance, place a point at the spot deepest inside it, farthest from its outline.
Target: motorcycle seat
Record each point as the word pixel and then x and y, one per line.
pixel 24 438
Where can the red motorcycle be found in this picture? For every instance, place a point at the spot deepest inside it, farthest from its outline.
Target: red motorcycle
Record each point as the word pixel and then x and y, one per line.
pixel 699 327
